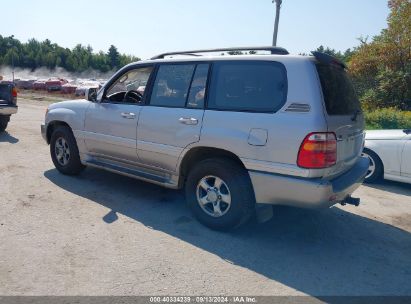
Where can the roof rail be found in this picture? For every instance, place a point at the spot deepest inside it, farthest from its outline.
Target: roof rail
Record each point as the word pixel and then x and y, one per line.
pixel 272 49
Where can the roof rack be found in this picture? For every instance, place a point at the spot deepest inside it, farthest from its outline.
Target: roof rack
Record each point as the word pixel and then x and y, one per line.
pixel 272 49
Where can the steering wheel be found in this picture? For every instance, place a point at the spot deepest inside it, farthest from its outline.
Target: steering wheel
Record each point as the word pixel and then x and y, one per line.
pixel 134 96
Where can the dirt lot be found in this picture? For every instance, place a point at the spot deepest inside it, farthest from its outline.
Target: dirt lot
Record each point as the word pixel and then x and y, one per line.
pixel 104 234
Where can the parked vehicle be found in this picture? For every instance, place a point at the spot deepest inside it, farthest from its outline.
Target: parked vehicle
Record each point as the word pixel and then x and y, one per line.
pixel 25 84
pixel 389 152
pixel 83 89
pixel 68 88
pixel 237 132
pixel 8 103
pixel 39 85
pixel 55 84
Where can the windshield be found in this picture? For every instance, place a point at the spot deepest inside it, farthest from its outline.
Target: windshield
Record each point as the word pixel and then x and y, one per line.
pixel 133 80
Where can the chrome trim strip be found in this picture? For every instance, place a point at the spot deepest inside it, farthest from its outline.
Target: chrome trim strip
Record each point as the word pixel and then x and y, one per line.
pixel 271 167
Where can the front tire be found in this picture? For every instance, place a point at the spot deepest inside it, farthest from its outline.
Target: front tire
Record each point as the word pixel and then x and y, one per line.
pixel 376 169
pixel 64 151
pixel 220 194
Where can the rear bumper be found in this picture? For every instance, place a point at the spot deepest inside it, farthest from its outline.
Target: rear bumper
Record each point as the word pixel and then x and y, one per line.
pixel 8 109
pixel 307 193
pixel 43 129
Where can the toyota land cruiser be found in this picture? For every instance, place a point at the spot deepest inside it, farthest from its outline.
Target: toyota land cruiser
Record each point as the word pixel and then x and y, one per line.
pixel 236 132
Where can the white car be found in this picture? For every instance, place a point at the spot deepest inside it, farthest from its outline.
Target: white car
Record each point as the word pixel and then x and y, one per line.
pixel 389 152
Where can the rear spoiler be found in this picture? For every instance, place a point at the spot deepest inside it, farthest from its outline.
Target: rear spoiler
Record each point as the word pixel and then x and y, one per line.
pixel 328 59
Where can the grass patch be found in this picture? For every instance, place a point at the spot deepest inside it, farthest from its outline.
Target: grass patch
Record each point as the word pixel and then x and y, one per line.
pixel 46 96
pixel 389 118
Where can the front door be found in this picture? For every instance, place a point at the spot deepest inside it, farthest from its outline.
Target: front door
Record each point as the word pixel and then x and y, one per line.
pixel 110 129
pixel 173 116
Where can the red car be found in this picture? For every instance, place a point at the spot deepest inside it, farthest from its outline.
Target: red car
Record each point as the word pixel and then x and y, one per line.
pixel 68 88
pixel 39 85
pixel 55 84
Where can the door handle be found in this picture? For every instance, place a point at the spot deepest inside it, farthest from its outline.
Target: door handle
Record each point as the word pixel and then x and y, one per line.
pixel 128 115
pixel 188 120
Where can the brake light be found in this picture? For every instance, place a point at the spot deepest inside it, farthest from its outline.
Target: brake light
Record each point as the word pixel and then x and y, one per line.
pixel 14 92
pixel 318 150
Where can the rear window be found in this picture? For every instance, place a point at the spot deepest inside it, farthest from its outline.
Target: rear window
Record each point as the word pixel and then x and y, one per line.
pixel 255 86
pixel 5 92
pixel 339 94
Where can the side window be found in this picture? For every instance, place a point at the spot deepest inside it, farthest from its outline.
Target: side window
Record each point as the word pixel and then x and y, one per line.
pixel 172 84
pixel 130 86
pixel 198 87
pixel 255 86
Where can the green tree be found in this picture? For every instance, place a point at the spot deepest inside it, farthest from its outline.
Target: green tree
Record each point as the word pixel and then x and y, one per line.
pixel 34 54
pixel 344 57
pixel 113 57
pixel 382 67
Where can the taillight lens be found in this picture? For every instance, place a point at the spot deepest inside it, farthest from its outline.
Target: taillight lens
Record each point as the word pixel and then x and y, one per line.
pixel 318 150
pixel 14 94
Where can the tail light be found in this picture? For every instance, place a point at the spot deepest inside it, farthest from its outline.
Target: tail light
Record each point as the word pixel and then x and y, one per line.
pixel 14 94
pixel 318 150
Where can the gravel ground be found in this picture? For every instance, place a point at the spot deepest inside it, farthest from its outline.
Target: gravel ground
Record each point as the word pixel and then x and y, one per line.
pixel 104 234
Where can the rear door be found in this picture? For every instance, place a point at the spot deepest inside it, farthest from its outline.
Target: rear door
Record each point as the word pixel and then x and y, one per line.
pixel 173 117
pixel 343 114
pixel 6 95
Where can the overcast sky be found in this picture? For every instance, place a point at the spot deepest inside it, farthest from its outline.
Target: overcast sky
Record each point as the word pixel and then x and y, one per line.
pixel 144 28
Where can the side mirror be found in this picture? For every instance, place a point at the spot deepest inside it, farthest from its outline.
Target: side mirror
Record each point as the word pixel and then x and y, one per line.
pixel 91 94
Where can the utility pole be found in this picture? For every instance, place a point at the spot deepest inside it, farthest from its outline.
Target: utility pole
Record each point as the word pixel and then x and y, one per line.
pixel 277 20
pixel 12 56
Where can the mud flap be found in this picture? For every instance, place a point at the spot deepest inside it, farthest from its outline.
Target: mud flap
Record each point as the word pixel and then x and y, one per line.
pixel 264 212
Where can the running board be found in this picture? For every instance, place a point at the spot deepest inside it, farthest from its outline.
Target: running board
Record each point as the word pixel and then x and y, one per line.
pixel 133 173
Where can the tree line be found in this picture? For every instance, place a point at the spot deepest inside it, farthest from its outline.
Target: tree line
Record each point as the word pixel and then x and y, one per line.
pixel 381 68
pixel 35 54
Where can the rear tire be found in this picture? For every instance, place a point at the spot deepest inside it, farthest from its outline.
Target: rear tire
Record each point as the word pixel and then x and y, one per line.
pixel 4 120
pixel 220 194
pixel 64 151
pixel 376 169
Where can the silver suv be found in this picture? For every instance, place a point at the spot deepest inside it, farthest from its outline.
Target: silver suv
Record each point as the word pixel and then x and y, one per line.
pixel 237 132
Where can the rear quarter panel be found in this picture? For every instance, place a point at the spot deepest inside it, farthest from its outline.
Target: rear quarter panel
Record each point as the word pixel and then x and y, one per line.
pixel 230 130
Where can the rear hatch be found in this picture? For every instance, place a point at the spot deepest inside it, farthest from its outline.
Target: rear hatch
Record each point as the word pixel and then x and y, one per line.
pixel 342 111
pixel 6 94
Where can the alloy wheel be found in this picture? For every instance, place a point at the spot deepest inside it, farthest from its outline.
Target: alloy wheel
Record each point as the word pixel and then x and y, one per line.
pixel 213 196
